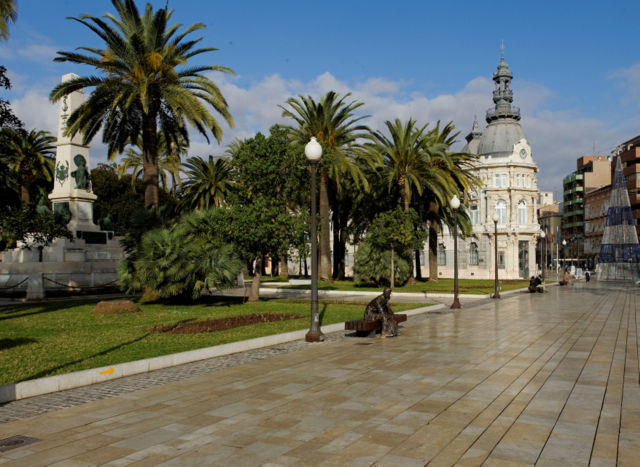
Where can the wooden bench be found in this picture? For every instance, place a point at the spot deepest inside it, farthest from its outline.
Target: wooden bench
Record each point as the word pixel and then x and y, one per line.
pixel 364 328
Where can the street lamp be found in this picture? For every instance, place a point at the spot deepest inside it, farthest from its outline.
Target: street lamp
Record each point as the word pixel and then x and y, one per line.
pixel 564 250
pixel 455 204
pixel 496 294
pixel 542 236
pixel 313 152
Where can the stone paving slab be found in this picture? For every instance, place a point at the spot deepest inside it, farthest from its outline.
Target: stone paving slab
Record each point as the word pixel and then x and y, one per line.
pixel 548 379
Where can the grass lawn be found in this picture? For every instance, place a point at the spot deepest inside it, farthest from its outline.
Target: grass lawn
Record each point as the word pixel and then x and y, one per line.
pixel 465 286
pixel 64 336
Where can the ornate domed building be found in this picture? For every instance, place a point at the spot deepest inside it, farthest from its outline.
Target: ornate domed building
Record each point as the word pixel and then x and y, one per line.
pixel 510 191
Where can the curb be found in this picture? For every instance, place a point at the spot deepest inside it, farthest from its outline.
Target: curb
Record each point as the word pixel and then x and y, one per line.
pixel 49 384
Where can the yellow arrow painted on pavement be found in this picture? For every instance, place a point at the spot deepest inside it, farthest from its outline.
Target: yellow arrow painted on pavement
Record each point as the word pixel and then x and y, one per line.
pixel 109 371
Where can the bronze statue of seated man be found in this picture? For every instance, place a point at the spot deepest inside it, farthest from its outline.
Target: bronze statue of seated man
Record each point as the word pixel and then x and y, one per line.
pixel 378 309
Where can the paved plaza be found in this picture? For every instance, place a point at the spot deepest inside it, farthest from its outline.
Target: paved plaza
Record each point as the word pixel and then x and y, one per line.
pixel 548 379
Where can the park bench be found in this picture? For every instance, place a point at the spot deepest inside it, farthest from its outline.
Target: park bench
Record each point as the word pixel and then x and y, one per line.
pixel 369 328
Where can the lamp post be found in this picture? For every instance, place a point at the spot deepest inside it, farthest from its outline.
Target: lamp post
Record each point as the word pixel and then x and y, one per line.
pixel 313 152
pixel 455 204
pixel 496 294
pixel 564 250
pixel 542 236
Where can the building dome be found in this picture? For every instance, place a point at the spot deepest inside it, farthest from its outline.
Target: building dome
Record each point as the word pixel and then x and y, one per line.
pixel 499 138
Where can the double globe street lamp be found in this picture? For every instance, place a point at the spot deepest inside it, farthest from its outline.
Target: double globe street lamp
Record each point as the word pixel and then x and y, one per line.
pixel 455 204
pixel 313 152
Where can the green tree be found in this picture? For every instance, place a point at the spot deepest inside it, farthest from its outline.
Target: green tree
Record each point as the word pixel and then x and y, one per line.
pixel 144 85
pixel 30 159
pixel 118 198
pixel 207 183
pixel 264 219
pixel 335 125
pixel 7 117
pixel 396 231
pixel 35 227
pixel 8 12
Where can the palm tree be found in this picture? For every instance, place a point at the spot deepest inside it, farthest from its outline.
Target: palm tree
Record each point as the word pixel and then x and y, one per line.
pixel 207 183
pixel 8 12
pixel 333 122
pixel 405 162
pixel 30 158
pixel 169 163
pixel 457 167
pixel 144 87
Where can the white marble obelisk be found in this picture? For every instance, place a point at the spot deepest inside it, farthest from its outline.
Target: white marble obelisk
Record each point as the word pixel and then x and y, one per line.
pixel 72 190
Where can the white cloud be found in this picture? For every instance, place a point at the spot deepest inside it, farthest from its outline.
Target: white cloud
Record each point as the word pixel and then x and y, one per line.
pixel 557 138
pixel 38 52
pixel 629 79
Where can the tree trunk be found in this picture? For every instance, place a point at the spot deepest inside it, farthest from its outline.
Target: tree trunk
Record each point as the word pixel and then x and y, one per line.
pixel 254 294
pixel 25 196
pixel 284 269
pixel 405 205
pixel 433 244
pixel 418 266
pixel 324 269
pixel 339 247
pixel 150 160
pixel 392 281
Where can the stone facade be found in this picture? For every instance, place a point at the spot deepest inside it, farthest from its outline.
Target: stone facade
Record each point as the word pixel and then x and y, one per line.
pixel 509 190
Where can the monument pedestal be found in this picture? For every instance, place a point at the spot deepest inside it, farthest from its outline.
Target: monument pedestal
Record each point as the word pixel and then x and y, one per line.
pixel 92 257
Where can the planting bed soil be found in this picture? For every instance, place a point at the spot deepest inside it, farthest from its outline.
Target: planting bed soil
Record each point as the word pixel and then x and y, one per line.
pixel 220 324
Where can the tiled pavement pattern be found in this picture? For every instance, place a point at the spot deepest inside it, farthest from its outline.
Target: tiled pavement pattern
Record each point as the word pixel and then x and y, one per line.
pixel 548 378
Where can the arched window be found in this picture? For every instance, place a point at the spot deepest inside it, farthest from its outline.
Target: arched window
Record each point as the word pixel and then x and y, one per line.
pixel 501 210
pixel 442 255
pixel 473 253
pixel 522 212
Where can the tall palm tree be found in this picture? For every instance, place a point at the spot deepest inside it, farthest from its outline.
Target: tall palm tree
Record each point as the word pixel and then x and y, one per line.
pixel 405 158
pixel 30 158
pixel 457 167
pixel 144 85
pixel 207 183
pixel 333 122
pixel 8 12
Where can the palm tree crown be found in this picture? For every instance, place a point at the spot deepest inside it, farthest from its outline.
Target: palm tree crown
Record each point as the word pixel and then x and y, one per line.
pixel 29 156
pixel 333 122
pixel 144 85
pixel 207 183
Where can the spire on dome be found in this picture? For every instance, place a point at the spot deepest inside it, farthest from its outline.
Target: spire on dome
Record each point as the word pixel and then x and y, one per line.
pixel 502 94
pixel 475 130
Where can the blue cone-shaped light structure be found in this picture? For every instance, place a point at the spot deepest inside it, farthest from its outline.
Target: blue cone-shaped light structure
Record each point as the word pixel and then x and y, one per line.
pixel 619 251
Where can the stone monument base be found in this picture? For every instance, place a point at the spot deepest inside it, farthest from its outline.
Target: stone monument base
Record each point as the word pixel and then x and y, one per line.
pixel 89 261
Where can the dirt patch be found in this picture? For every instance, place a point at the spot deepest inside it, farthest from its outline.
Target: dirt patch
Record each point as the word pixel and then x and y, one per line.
pixel 221 324
pixel 116 307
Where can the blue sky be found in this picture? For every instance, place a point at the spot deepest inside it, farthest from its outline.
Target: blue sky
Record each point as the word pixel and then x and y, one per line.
pixel 576 64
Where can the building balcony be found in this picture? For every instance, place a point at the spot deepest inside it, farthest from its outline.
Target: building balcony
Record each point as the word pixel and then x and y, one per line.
pixel 575 212
pixel 576 189
pixel 572 178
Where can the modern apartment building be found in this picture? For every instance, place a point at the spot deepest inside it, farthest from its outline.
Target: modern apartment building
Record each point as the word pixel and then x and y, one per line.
pixel 591 172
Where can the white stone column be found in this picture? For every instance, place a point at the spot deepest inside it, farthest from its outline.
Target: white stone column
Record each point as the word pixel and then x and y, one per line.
pixel 72 157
